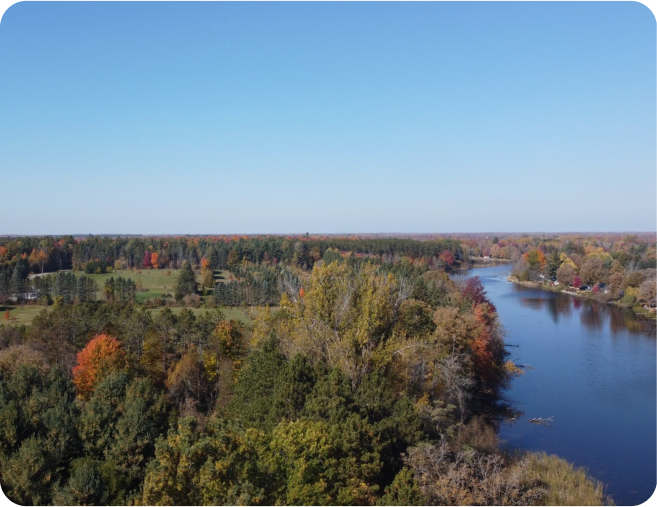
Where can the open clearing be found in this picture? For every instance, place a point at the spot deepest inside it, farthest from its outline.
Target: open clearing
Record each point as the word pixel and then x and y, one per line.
pixel 155 281
pixel 23 314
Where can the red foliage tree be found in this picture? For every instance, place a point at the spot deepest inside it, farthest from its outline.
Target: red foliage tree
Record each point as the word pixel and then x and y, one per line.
pixel 577 281
pixel 146 262
pixel 474 291
pixel 447 257
pixel 101 356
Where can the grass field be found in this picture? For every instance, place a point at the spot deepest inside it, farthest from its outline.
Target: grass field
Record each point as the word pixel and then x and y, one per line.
pixel 23 314
pixel 156 281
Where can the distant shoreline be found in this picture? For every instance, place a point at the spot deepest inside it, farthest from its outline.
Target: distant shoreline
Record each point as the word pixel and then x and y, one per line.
pixel 638 311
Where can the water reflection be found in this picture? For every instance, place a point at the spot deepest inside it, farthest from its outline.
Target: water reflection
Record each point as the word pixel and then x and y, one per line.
pixel 592 315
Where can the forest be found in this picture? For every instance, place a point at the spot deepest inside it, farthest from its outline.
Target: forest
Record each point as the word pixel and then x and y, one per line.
pixel 366 375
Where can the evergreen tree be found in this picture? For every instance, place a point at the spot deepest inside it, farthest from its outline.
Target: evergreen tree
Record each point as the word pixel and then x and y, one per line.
pixel 186 283
pixel 110 287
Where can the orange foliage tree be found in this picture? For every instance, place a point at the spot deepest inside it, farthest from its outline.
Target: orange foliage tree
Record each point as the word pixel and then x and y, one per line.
pixel 102 356
pixel 154 260
pixel 536 259
pixel 484 346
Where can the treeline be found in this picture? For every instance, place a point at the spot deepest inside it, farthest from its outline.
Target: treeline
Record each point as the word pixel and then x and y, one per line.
pixel 597 270
pixel 255 286
pixel 60 287
pixel 102 252
pixel 121 289
pixel 105 252
pixel 632 251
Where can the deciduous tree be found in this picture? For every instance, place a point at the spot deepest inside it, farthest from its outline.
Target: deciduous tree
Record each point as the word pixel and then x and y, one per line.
pixel 102 355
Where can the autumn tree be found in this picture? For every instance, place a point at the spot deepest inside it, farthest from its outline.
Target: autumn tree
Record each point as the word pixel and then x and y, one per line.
pixel 207 274
pixel 474 291
pixel 536 260
pixel 343 317
pixel 647 291
pixel 146 261
pixel 592 269
pixel 565 274
pixel 447 258
pixel 155 260
pixel 102 355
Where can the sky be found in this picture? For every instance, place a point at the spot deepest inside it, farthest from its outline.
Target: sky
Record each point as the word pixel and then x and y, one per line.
pixel 221 118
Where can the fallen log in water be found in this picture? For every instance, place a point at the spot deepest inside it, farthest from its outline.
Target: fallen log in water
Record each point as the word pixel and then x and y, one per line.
pixel 546 421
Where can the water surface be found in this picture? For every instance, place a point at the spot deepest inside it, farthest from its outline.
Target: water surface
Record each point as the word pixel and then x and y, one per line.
pixel 593 371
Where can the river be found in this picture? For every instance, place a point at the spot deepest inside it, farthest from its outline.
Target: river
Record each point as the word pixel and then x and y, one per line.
pixel 593 371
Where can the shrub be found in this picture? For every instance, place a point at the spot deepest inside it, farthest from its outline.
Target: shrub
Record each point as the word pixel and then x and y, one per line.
pixel 192 300
pixel 563 484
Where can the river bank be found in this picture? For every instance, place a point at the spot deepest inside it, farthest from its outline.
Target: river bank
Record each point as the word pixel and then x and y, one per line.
pixel 639 311
pixel 592 375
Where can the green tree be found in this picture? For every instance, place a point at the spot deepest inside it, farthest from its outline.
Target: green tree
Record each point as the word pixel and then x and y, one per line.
pixel 186 283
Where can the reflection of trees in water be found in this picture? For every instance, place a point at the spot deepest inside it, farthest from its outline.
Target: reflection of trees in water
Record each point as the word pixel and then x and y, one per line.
pixel 592 317
pixel 556 306
pixel 625 320
pixel 559 306
pixel 533 303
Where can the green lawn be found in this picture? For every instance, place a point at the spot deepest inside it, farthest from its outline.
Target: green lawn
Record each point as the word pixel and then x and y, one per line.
pixel 23 314
pixel 156 281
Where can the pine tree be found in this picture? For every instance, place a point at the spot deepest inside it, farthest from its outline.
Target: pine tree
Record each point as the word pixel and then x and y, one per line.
pixel 110 287
pixel 186 282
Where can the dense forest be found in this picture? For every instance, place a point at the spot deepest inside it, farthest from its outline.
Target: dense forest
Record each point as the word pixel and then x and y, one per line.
pixel 366 376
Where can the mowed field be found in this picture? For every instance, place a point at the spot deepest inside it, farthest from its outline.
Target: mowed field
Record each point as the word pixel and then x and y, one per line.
pixel 156 282
pixel 23 314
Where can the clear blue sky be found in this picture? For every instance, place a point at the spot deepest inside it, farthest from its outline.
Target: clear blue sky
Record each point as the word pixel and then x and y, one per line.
pixel 343 117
